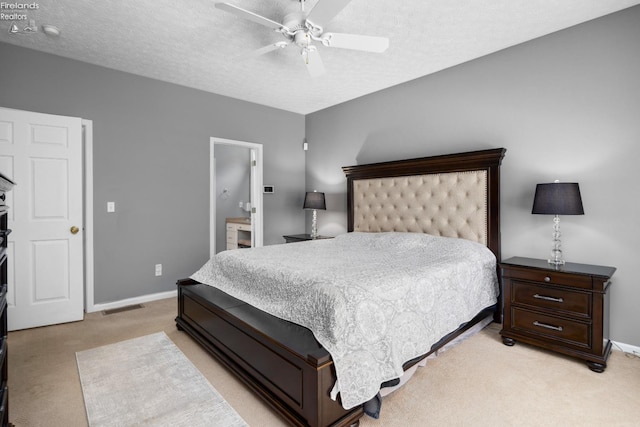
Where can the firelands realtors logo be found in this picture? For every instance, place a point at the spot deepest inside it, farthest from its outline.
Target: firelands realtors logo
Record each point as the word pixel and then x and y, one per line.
pixel 18 14
pixel 16 11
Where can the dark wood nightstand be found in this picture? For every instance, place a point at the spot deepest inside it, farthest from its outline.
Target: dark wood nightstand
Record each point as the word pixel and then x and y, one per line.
pixel 302 237
pixel 564 309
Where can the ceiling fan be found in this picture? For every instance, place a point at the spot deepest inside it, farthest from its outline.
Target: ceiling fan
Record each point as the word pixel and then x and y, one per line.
pixel 301 29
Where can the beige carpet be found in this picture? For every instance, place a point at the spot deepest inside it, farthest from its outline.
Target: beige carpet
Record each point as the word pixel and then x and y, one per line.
pixel 148 381
pixel 481 382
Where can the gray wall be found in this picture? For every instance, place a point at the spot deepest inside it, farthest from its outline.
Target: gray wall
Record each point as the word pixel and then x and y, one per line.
pixel 151 156
pixel 566 106
pixel 233 173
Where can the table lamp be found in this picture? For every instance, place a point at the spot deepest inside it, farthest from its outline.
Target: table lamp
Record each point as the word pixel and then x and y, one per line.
pixel 557 198
pixel 314 201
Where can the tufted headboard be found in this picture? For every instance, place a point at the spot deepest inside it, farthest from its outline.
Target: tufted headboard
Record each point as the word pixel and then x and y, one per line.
pixel 454 195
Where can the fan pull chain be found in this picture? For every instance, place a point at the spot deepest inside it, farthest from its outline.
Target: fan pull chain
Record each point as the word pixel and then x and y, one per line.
pixel 307 48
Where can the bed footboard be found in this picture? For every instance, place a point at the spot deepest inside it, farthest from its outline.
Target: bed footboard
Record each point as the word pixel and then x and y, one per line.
pixel 280 361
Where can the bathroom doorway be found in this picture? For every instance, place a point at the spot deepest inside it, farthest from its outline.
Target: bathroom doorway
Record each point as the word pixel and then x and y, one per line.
pixel 235 195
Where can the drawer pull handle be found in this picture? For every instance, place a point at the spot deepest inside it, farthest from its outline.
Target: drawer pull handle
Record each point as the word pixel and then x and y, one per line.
pixel 544 325
pixel 547 279
pixel 546 298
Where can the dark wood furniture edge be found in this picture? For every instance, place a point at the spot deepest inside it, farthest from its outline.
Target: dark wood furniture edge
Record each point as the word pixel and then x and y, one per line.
pixel 186 282
pixel 317 367
pixel 295 238
pixel 488 160
pixel 594 362
pixel 600 271
pixel 452 336
pixel 600 276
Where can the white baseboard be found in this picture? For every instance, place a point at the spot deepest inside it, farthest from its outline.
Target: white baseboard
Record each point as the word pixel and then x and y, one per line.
pixel 627 348
pixel 132 301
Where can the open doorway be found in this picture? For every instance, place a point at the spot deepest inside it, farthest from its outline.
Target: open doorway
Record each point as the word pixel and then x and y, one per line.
pixel 235 177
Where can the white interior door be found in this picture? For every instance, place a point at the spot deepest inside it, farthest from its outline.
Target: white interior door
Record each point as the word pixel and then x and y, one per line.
pixel 42 154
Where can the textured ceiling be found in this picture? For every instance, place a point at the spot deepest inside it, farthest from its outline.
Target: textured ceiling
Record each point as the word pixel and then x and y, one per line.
pixel 192 43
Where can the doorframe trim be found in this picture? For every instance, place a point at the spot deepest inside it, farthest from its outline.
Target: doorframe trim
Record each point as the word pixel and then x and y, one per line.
pixel 87 149
pixel 256 184
pixel 87 206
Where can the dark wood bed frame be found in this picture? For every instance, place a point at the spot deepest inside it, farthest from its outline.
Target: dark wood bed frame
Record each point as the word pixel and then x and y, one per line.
pixel 282 362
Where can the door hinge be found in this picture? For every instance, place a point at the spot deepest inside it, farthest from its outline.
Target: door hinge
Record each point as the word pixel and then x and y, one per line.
pixel 253 210
pixel 253 163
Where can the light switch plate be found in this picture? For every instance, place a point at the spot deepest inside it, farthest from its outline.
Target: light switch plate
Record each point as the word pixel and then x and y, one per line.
pixel 111 206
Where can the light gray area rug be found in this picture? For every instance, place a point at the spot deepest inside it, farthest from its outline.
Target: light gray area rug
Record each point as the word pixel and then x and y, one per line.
pixel 148 381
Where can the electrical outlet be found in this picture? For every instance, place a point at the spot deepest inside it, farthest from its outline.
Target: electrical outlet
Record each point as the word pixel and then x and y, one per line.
pixel 158 269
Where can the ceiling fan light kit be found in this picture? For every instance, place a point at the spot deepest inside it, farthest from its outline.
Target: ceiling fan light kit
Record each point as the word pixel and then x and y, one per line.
pixel 301 29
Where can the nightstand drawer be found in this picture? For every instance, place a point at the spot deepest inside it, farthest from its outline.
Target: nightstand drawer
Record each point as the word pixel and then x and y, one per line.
pixel 563 309
pixel 537 296
pixel 556 328
pixel 551 277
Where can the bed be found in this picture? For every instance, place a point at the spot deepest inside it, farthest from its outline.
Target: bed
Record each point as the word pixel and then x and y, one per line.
pixel 453 195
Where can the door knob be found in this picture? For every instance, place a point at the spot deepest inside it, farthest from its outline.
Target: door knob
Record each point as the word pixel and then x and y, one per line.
pixel 74 230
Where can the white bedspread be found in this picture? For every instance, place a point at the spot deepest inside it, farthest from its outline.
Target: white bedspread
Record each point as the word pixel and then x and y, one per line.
pixel 373 300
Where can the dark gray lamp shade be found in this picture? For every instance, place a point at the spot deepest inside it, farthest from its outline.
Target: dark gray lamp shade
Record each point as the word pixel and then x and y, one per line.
pixel 314 200
pixel 558 198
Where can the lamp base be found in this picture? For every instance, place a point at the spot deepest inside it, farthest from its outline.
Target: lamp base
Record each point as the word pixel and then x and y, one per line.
pixel 556 252
pixel 314 225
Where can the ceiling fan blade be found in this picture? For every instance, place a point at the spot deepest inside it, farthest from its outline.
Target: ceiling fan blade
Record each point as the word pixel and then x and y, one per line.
pixel 325 10
pixel 249 15
pixel 356 42
pixel 261 51
pixel 312 60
